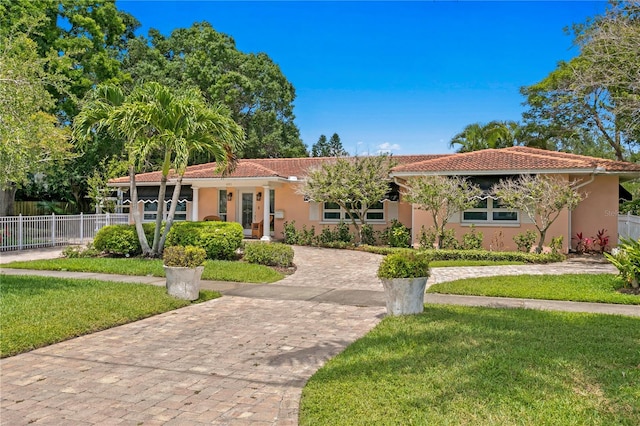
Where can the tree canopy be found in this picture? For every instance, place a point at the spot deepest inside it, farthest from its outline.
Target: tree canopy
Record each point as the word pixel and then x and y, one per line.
pixel 592 102
pixel 495 134
pixel 31 140
pixel 251 86
pixel 328 148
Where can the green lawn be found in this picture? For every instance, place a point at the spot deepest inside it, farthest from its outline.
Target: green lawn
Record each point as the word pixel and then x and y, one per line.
pixel 217 270
pixel 38 311
pixel 575 287
pixel 483 366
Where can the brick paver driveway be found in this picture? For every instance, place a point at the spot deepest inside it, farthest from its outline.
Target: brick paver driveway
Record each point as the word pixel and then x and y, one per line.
pixel 228 361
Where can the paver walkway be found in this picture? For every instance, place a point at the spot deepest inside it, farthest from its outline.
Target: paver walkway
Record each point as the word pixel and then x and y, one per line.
pixel 241 359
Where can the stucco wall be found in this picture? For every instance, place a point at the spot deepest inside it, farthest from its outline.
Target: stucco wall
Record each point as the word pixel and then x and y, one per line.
pixel 599 210
pixel 496 237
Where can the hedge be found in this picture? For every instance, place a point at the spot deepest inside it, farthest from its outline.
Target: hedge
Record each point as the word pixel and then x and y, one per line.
pixel 220 240
pixel 270 254
pixel 121 240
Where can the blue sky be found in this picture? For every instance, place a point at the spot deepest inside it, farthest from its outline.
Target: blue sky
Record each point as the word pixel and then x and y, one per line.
pixel 398 76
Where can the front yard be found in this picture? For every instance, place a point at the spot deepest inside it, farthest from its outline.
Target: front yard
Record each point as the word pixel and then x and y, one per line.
pixel 483 366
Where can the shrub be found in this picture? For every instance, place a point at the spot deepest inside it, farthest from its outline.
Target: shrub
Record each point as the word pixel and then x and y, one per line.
pixel 556 244
pixel 509 256
pixel 290 233
pixel 270 254
pixel 220 240
pixel 397 235
pixel 343 233
pixel 121 240
pixel 627 259
pixel 472 240
pixel 74 252
pixel 449 241
pixel 602 240
pixel 427 237
pixel 184 256
pixel 404 265
pixel 525 240
pixel 368 236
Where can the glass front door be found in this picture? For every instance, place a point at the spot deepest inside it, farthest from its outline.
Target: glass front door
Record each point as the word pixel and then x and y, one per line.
pixel 247 211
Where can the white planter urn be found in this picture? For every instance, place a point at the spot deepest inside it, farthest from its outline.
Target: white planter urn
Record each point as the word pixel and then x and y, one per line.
pixel 183 282
pixel 404 296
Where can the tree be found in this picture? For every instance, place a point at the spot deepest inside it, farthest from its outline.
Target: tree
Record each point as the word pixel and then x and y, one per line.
pixel 155 118
pixel 442 196
pixel 88 39
pixel 595 97
pixel 331 148
pixel 30 138
pixel 542 198
pixel 477 136
pixel 355 184
pixel 252 86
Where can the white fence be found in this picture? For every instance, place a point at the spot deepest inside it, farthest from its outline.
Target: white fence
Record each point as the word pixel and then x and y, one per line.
pixel 628 226
pixel 23 232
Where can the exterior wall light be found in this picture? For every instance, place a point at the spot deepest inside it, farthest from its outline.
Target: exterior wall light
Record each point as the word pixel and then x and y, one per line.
pixel 259 196
pixel 230 196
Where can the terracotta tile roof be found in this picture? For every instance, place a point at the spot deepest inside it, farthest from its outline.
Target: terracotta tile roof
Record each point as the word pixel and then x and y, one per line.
pixel 264 168
pixel 516 159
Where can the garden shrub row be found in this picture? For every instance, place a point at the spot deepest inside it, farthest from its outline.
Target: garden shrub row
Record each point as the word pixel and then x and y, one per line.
pixel 484 255
pixel 269 254
pixel 220 240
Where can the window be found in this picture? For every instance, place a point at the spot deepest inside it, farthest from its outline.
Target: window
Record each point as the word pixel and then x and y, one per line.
pixel 333 213
pixel 151 211
pixel 489 211
pixel 222 205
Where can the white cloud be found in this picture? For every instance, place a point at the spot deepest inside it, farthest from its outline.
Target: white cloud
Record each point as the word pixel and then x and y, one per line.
pixel 388 148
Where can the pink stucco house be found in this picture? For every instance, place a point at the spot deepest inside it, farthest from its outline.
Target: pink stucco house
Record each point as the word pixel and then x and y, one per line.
pixel 263 191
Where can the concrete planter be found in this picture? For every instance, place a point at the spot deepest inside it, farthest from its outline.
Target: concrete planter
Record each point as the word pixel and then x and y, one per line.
pixel 404 296
pixel 183 283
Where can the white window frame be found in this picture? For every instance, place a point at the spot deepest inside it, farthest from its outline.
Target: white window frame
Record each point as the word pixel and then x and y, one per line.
pixel 490 210
pixel 222 201
pixel 344 216
pixel 150 215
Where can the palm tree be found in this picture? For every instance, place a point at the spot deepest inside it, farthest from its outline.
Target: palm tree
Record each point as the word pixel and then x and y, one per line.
pixel 155 119
pixel 495 135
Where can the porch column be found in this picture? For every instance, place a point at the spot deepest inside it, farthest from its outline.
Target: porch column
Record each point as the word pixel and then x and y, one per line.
pixel 266 224
pixel 194 205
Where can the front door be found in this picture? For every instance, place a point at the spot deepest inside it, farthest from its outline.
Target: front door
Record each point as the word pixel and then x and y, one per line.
pixel 246 209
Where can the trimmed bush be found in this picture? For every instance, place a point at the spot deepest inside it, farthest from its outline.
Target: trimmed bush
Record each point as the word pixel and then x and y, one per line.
pixel 121 240
pixel 184 256
pixel 220 240
pixel 405 264
pixel 270 254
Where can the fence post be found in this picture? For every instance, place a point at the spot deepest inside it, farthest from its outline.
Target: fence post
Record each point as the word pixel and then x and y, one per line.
pixel 81 228
pixel 53 229
pixel 20 231
pixel 107 219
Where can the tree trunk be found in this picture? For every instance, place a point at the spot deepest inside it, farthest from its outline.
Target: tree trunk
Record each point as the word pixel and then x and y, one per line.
pixel 543 234
pixel 7 199
pixel 135 209
pixel 172 212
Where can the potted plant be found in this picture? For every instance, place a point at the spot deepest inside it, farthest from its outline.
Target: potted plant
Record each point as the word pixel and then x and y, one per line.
pixel 404 277
pixel 183 266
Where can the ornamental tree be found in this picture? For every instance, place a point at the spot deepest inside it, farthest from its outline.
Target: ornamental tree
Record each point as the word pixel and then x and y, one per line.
pixel 442 196
pixel 542 198
pixel 156 119
pixel 355 184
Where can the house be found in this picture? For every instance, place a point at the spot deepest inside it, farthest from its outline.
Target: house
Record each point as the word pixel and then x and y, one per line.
pixel 264 191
